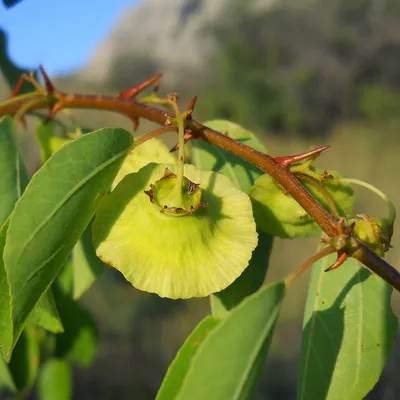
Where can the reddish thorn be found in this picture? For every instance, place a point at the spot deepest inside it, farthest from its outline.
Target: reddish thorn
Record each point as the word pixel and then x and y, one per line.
pixel 176 147
pixel 53 111
pixel 189 110
pixel 130 93
pixel 186 137
pixel 18 85
pixel 47 82
pixel 135 121
pixel 340 260
pixel 288 160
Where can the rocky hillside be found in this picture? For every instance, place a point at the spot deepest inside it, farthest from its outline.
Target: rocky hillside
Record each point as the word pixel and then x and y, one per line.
pixel 176 37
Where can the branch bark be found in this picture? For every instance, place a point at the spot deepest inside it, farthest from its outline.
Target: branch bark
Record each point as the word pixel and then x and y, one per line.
pixel 135 109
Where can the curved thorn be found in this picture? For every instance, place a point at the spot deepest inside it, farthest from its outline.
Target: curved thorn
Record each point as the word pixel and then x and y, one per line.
pixel 47 82
pixel 342 257
pixel 135 121
pixel 53 111
pixel 132 92
pixel 288 160
pixel 189 110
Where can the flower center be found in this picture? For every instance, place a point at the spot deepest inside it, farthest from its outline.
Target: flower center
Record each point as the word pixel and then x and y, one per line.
pixel 174 198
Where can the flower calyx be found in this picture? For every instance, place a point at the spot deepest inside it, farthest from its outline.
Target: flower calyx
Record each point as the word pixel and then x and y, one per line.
pixel 173 199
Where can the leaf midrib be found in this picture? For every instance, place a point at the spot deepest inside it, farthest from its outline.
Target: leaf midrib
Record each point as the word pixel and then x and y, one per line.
pixel 65 199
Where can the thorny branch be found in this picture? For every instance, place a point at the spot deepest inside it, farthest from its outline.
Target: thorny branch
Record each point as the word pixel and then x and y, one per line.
pixel 277 167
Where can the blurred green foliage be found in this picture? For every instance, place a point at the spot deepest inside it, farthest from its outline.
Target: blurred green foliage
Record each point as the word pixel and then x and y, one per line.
pixel 299 67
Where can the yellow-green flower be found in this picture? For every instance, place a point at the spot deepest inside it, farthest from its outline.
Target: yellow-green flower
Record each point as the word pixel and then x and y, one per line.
pixel 176 254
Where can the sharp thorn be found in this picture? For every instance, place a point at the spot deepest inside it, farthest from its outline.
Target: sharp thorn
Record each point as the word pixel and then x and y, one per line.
pixel 135 121
pixel 288 160
pixel 47 82
pixel 189 110
pixel 342 257
pixel 132 92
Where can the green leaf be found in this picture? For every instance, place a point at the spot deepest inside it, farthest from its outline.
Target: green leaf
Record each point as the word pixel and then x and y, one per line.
pixel 12 170
pixel 249 282
pixel 13 183
pixel 52 214
pixel 78 344
pixel 25 360
pixel 227 363
pixel 86 265
pixel 208 157
pixel 55 380
pixel 180 365
pixel 49 143
pixel 5 300
pixel 348 332
pixel 45 314
pixel 6 379
pixel 278 214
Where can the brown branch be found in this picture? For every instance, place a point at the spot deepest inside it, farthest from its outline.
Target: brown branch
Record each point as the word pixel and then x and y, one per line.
pixel 135 109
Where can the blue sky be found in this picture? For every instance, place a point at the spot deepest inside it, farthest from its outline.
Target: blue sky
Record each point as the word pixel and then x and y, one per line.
pixel 59 34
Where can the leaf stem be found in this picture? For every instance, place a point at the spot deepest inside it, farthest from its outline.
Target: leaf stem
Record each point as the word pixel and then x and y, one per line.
pixel 132 108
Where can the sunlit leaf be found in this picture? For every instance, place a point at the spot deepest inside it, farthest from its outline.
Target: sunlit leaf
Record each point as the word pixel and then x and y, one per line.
pixel 180 365
pixel 227 363
pixel 348 332
pixel 52 214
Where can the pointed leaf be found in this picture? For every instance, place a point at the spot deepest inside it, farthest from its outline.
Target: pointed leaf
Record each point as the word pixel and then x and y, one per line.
pixel 12 170
pixel 227 363
pixel 52 214
pixel 86 265
pixel 55 380
pixel 181 363
pixel 348 332
pixel 249 282
pixel 208 157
